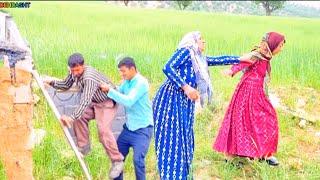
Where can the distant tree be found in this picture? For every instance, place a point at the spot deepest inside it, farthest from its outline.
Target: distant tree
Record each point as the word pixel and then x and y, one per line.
pixel 270 6
pixel 183 4
pixel 126 3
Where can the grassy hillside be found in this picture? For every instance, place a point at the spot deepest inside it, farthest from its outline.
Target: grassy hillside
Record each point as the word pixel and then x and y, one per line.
pixel 102 32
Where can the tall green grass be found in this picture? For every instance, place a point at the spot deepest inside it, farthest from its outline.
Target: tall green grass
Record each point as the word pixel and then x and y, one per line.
pixel 102 32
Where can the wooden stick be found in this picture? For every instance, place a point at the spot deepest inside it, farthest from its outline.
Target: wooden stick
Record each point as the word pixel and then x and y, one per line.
pixel 65 129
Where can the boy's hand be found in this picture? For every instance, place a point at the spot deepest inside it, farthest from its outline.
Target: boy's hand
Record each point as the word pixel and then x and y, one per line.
pixel 104 87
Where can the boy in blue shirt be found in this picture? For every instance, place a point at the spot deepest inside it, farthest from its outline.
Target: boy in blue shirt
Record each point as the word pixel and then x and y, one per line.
pixel 133 93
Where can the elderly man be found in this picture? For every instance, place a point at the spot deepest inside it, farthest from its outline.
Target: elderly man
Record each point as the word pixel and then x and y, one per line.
pixel 94 104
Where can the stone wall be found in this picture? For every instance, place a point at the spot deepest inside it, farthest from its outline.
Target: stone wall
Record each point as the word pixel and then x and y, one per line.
pixel 16 125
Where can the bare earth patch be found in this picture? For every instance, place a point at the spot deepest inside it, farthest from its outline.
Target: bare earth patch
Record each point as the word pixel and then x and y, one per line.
pixel 303 101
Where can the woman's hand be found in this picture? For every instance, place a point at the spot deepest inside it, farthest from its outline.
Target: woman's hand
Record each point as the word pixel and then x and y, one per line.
pixel 246 58
pixel 268 79
pixel 191 93
pixel 227 72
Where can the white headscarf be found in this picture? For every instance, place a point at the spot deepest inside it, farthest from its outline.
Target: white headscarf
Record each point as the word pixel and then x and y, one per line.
pixel 199 64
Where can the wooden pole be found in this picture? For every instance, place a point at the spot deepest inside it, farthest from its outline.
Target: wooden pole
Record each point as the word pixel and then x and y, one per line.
pixel 65 129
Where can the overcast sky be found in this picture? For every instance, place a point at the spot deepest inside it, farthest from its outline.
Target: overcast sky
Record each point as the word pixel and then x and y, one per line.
pixel 315 4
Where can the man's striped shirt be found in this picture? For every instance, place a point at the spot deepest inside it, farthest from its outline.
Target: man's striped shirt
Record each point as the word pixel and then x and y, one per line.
pixel 89 84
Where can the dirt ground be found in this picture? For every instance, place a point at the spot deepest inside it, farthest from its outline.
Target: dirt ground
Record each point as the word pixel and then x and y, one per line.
pixel 15 125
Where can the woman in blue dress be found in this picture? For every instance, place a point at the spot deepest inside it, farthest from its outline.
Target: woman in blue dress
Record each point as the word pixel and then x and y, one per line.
pixel 173 106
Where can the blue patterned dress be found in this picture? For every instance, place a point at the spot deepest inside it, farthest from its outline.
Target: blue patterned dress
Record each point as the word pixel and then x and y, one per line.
pixel 173 114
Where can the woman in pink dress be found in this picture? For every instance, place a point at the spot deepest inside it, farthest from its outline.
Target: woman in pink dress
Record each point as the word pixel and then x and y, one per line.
pixel 250 126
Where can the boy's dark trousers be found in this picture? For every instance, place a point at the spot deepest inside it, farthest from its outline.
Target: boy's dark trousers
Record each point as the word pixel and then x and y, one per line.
pixel 139 140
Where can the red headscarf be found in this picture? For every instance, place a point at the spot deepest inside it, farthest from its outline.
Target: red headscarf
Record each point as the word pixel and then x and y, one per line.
pixel 268 44
pixel 273 39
